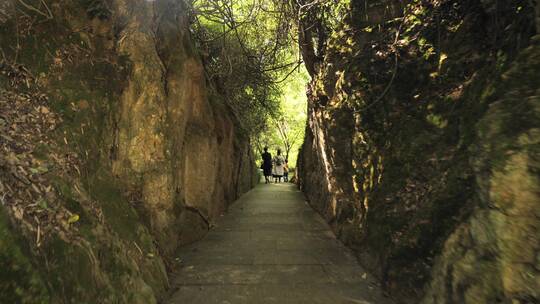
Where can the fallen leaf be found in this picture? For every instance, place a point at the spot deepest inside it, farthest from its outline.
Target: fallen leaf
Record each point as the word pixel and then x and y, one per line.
pixel 44 110
pixel 72 219
pixel 83 104
pixel 43 203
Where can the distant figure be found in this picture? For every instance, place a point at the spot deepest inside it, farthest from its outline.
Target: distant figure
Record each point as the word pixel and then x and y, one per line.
pixel 279 163
pixel 286 171
pixel 267 165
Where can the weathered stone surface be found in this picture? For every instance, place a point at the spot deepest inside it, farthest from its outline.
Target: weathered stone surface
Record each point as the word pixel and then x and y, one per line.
pixel 169 130
pixel 155 155
pixel 421 150
pixel 271 248
pixel 493 255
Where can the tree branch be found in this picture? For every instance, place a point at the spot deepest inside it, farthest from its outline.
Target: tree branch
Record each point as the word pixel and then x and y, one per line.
pixel 47 15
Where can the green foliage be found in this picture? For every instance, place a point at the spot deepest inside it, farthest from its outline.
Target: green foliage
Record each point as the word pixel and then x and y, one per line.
pixel 285 130
pixel 251 55
pixel 19 282
pixel 245 47
pixel 332 12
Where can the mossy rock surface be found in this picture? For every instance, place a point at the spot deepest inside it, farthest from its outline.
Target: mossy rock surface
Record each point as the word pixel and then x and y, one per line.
pixel 443 130
pixel 20 282
pixel 128 94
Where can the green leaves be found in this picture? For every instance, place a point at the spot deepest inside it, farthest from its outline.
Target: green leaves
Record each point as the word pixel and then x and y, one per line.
pixel 73 219
pixel 243 50
pixel 43 204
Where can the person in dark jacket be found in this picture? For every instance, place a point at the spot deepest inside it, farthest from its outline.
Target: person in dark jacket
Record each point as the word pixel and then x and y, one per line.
pixel 267 165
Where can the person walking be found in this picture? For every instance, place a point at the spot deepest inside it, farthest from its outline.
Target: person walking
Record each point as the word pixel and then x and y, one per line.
pixel 266 165
pixel 286 171
pixel 279 163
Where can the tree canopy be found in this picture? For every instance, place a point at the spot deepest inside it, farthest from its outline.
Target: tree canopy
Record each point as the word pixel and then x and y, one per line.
pixel 259 54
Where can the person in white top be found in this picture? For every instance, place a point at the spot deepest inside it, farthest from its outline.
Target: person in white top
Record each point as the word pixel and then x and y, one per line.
pixel 278 162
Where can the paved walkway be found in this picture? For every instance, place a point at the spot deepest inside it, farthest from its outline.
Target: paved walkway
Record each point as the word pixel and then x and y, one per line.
pixel 271 247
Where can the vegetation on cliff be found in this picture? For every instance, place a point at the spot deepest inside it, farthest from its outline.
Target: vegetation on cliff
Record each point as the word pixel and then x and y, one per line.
pixel 398 156
pixel 250 54
pixel 113 149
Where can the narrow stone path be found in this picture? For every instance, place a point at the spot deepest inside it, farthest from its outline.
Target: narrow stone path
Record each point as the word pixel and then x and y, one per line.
pixel 271 247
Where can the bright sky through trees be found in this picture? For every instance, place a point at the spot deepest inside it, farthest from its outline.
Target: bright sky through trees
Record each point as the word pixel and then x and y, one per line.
pixel 287 131
pixel 251 53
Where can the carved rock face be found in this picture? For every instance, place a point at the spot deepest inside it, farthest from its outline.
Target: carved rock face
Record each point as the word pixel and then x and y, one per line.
pixel 155 155
pixel 425 164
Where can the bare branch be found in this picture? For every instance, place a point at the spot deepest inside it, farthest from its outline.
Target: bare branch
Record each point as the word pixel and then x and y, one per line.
pixel 47 15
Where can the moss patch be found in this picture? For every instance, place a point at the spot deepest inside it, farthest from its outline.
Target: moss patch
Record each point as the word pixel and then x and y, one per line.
pixel 20 282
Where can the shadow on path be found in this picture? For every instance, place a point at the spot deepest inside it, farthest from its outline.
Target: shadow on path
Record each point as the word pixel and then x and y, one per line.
pixel 271 247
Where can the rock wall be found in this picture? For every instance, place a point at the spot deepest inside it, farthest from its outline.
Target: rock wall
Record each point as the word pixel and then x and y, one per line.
pixel 177 144
pixel 115 149
pixel 422 147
